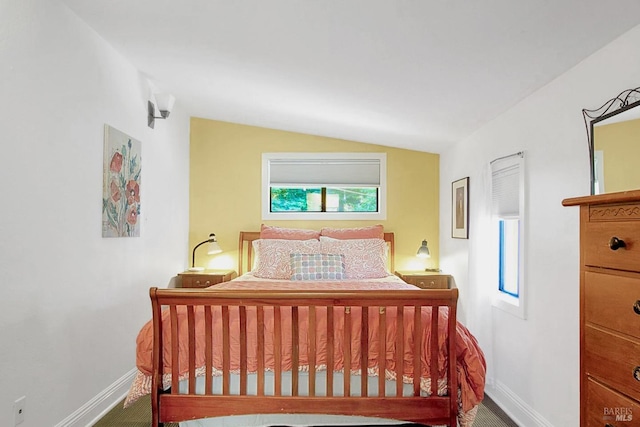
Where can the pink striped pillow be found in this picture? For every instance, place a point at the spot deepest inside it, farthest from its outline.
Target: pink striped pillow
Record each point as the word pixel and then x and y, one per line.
pixel 370 232
pixel 273 232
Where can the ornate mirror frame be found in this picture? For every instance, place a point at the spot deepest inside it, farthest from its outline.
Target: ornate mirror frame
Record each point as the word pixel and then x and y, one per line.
pixel 626 100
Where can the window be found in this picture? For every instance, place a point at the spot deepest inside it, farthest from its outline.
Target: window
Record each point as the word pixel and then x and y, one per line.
pixel 507 192
pixel 323 199
pixel 323 186
pixel 508 256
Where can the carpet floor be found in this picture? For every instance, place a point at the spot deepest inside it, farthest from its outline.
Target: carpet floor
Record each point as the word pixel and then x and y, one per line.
pixel 139 415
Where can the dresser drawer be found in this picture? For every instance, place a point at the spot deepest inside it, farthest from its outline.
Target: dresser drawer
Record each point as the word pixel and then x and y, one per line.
pixel 613 302
pixel 613 359
pixel 205 279
pixel 596 246
pixel 200 281
pixel 428 282
pixel 606 407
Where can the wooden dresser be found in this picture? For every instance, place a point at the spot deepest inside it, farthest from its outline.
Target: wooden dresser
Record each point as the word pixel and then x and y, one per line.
pixel 609 309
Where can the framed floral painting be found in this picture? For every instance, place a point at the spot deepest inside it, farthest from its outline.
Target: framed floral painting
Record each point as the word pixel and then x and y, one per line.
pixel 121 185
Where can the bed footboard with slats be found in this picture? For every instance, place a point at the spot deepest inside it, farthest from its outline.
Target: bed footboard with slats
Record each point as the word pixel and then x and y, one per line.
pixel 231 316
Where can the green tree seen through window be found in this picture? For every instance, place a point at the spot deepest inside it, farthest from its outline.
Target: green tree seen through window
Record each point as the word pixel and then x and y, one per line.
pixel 321 199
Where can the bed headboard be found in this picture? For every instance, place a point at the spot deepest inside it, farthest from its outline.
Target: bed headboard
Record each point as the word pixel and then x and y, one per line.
pixel 245 250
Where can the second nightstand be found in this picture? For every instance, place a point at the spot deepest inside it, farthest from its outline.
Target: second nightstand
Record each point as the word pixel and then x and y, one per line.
pixel 425 279
pixel 206 278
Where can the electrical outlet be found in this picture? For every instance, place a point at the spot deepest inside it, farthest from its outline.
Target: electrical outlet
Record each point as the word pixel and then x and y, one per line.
pixel 18 410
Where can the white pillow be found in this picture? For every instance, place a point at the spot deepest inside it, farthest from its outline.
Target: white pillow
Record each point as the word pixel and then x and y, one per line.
pixel 255 255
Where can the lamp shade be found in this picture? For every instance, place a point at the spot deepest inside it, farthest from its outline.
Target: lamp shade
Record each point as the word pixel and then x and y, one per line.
pixel 214 248
pixel 423 250
pixel 165 102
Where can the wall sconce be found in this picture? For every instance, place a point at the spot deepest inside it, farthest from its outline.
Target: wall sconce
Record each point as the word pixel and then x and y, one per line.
pixel 423 251
pixel 214 248
pixel 165 103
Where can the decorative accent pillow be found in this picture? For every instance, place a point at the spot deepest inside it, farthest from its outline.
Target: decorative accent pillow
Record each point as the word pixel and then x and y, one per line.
pixel 274 256
pixel 273 232
pixel 370 232
pixel 363 258
pixel 317 267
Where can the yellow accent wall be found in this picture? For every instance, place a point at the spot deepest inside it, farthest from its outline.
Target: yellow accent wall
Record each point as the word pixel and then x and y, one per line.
pixel 225 190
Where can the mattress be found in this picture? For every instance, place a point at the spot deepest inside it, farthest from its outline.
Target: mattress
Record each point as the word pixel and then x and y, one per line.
pixel 264 420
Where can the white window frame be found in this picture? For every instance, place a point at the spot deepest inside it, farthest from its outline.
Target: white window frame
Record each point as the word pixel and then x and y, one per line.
pixel 382 188
pixel 502 300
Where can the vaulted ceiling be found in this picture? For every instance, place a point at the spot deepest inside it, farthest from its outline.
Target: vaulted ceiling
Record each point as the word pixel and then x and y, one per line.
pixel 419 74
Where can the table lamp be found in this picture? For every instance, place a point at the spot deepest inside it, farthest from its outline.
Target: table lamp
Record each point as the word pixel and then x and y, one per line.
pixel 214 248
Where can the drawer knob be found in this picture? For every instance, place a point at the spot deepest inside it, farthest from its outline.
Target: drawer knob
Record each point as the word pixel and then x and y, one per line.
pixel 636 307
pixel 615 244
pixel 636 373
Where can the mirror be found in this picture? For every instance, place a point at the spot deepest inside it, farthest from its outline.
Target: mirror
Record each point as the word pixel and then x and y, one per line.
pixel 614 143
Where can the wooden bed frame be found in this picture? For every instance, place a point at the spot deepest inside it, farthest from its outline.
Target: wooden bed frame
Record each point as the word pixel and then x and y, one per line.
pixel 171 406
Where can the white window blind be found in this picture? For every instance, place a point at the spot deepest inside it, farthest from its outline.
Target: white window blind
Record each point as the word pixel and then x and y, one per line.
pixel 324 172
pixel 507 186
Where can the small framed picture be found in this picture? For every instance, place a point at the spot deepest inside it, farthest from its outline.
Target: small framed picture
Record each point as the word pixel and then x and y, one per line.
pixel 460 209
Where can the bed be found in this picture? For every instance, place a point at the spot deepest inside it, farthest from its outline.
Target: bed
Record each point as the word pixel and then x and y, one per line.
pixel 338 350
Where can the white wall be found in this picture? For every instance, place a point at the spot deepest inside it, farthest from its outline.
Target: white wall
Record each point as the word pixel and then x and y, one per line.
pixel 72 302
pixel 533 364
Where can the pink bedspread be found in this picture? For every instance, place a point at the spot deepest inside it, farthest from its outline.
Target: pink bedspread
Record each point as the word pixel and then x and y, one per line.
pixel 471 363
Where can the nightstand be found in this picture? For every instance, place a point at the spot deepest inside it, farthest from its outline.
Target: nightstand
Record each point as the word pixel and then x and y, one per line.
pixel 206 278
pixel 426 279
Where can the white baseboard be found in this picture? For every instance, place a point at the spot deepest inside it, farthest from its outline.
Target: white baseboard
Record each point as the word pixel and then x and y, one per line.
pixel 89 413
pixel 517 409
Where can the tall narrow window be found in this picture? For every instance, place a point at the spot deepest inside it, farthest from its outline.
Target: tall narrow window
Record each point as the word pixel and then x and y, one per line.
pixel 508 281
pixel 508 202
pixel 323 186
